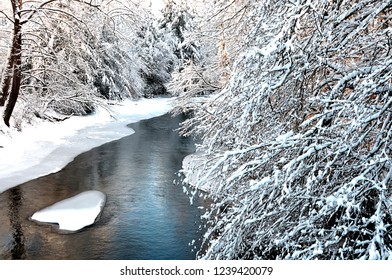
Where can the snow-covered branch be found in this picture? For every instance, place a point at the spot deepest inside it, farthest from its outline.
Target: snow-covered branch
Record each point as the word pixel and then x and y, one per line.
pixel 311 91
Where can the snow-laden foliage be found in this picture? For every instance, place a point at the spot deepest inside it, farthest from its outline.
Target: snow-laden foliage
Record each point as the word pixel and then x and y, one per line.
pixel 75 56
pixel 178 19
pixel 218 35
pixel 298 144
pixel 162 47
pixel 4 38
pixel 158 47
pixel 170 48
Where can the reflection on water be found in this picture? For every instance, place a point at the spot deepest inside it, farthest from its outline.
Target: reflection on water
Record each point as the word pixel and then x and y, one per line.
pixel 146 216
pixel 15 201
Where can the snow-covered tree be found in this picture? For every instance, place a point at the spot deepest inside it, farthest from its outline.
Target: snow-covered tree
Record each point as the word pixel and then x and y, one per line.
pixel 11 80
pixel 218 34
pixel 157 47
pixel 71 55
pixel 163 46
pixel 178 18
pixel 91 55
pixel 298 143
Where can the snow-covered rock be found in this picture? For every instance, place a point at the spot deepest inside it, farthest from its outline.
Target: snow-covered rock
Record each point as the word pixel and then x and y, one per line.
pixel 73 213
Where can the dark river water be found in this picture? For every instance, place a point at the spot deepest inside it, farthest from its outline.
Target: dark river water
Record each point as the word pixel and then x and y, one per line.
pixel 147 216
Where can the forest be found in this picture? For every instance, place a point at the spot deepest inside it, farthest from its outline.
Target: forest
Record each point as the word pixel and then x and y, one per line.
pixel 289 100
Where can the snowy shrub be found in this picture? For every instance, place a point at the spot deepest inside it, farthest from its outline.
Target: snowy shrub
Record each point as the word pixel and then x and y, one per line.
pixel 73 61
pixel 157 46
pixel 298 143
pixel 164 46
pixel 219 37
pixel 76 55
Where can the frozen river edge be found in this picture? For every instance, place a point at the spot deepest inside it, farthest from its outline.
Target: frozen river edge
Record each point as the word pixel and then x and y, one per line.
pixel 47 147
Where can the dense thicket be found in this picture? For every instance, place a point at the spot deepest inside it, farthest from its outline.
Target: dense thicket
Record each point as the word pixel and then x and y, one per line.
pixel 71 61
pixel 74 55
pixel 77 55
pixel 164 46
pixel 297 143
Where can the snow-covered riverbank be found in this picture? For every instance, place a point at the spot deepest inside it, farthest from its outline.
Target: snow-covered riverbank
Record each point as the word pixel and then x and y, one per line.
pixel 46 147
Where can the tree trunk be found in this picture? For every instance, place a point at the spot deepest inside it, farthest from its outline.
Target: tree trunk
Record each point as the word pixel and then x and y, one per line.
pixel 13 71
pixel 6 82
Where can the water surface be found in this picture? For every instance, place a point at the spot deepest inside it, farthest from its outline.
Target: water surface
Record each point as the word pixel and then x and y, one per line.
pixel 147 215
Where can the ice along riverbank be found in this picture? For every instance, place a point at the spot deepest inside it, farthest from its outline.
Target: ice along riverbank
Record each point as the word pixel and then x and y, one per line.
pixel 46 147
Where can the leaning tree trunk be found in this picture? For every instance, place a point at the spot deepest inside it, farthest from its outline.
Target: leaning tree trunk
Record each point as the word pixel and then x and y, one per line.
pixel 13 72
pixel 6 81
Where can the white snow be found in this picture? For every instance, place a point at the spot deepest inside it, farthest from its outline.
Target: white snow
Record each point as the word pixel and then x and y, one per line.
pixel 192 166
pixel 47 147
pixel 283 138
pixel 374 254
pixel 73 213
pixel 263 182
pixel 156 7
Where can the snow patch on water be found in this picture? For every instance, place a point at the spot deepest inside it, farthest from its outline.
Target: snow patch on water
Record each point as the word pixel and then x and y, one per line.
pixel 73 213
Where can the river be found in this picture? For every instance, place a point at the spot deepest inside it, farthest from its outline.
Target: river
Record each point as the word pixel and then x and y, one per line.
pixel 147 216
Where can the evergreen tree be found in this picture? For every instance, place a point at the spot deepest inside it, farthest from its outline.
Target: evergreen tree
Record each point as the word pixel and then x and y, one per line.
pixel 164 46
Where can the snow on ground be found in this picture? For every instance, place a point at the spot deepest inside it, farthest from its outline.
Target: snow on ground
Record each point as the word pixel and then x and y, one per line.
pixel 73 213
pixel 48 147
